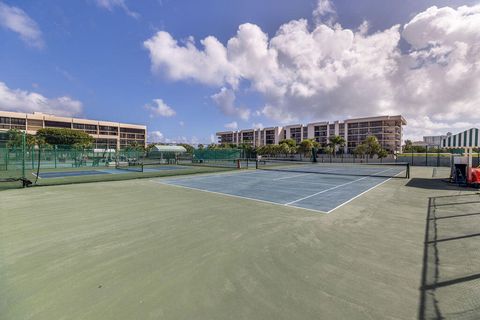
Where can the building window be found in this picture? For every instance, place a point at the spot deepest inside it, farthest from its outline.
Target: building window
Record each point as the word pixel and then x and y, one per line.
pixel 110 131
pixel 270 137
pixel 57 124
pixel 296 134
pixel 34 124
pixel 4 123
pixel 18 123
pixel 130 130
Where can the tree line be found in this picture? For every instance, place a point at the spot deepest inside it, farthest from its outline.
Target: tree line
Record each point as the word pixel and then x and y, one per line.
pixel 47 137
pixel 409 147
pixel 370 147
pixel 78 139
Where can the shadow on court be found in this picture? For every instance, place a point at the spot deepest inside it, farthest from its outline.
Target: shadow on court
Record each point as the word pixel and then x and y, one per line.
pixel 435 184
pixel 450 287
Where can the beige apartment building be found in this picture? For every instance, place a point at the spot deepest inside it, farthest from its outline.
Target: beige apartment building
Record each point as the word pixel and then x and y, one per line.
pixel 387 129
pixel 110 135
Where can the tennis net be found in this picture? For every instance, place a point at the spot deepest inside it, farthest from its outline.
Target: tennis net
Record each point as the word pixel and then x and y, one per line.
pixel 217 163
pixel 129 166
pixel 388 170
pixel 173 164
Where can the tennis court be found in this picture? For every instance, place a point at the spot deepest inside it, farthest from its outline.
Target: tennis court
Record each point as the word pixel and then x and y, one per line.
pixel 313 186
pixel 78 173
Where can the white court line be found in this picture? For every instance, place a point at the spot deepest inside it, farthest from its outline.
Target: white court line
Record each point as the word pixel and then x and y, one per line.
pixel 35 175
pixel 333 188
pixel 287 204
pixel 234 196
pixel 370 189
pixel 304 174
pixel 205 174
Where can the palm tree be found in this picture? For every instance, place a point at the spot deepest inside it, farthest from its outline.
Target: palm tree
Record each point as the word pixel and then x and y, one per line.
pixel 306 147
pixel 360 150
pixel 335 142
pixel 382 154
pixel 372 146
pixel 284 149
pixel 288 146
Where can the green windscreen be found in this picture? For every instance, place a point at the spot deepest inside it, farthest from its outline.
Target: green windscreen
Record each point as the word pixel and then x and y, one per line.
pixel 217 154
pixel 24 164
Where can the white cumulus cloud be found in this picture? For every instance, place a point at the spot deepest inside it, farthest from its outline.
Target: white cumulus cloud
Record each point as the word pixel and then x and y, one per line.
pixel 325 71
pixel 184 61
pixel 17 20
pixel 232 125
pixel 324 12
pixel 155 136
pixel 25 101
pixel 225 100
pixel 160 108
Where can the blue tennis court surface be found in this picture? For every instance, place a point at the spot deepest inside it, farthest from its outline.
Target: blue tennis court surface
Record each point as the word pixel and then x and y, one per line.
pixel 65 174
pixel 62 174
pixel 162 168
pixel 322 192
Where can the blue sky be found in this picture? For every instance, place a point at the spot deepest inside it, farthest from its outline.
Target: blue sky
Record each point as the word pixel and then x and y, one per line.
pixel 89 59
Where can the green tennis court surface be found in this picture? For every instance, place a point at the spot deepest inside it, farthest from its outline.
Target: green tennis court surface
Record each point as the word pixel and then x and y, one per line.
pixel 142 250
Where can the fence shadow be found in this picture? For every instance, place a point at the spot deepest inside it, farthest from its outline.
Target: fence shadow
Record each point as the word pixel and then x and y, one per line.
pixel 435 184
pixel 450 285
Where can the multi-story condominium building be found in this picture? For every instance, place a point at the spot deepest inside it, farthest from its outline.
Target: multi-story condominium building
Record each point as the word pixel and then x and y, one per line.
pixel 110 135
pixel 387 129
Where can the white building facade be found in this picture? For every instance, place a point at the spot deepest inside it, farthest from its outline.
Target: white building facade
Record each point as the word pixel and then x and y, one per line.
pixel 387 129
pixel 107 134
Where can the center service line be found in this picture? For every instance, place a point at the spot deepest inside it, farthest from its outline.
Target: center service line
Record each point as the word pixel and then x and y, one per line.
pixel 333 188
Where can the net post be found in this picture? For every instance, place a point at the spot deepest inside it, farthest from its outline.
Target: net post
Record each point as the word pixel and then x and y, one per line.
pixel 238 164
pixel 256 164
pixel 24 142
pixel 408 170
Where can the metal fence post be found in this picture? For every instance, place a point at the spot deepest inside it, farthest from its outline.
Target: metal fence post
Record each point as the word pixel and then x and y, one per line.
pixel 426 156
pixel 24 142
pixel 7 154
pixel 438 156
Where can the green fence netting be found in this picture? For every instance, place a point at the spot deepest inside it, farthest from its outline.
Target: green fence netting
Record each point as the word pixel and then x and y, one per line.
pixel 23 165
pixel 217 154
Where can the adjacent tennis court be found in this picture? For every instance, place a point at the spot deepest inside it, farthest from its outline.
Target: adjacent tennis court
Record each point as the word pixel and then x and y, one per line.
pixel 78 173
pixel 313 186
